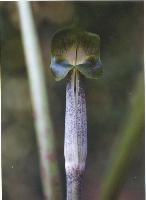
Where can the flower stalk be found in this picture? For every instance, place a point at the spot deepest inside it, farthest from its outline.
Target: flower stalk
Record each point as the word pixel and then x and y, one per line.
pixel 75 144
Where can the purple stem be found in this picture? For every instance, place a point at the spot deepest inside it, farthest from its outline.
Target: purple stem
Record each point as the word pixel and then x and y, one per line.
pixel 75 146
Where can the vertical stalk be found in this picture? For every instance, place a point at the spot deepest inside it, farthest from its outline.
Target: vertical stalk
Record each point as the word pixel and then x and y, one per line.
pixel 124 152
pixel 75 147
pixel 43 124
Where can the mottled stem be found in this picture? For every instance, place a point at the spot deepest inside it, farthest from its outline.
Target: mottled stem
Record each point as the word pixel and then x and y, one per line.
pixel 75 146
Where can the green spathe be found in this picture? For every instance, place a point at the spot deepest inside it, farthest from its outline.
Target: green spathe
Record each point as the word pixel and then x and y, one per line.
pixel 74 48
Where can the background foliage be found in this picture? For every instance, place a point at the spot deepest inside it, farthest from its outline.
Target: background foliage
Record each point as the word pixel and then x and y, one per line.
pixel 120 26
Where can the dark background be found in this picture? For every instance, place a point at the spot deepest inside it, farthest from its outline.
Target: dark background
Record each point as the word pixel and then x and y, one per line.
pixel 120 26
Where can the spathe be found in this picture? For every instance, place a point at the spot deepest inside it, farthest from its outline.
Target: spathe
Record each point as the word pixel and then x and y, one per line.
pixel 73 48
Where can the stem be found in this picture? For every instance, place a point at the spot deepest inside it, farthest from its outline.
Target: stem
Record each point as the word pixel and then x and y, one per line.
pixel 124 152
pixel 75 147
pixel 43 124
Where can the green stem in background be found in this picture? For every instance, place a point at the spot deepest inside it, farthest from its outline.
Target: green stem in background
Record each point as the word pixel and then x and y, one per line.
pixel 75 144
pixel 126 148
pixel 45 137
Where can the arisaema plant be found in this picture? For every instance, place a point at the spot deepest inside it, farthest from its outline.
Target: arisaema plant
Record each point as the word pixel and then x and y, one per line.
pixel 75 54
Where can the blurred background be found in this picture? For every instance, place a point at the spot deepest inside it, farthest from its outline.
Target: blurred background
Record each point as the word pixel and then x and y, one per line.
pixel 120 26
